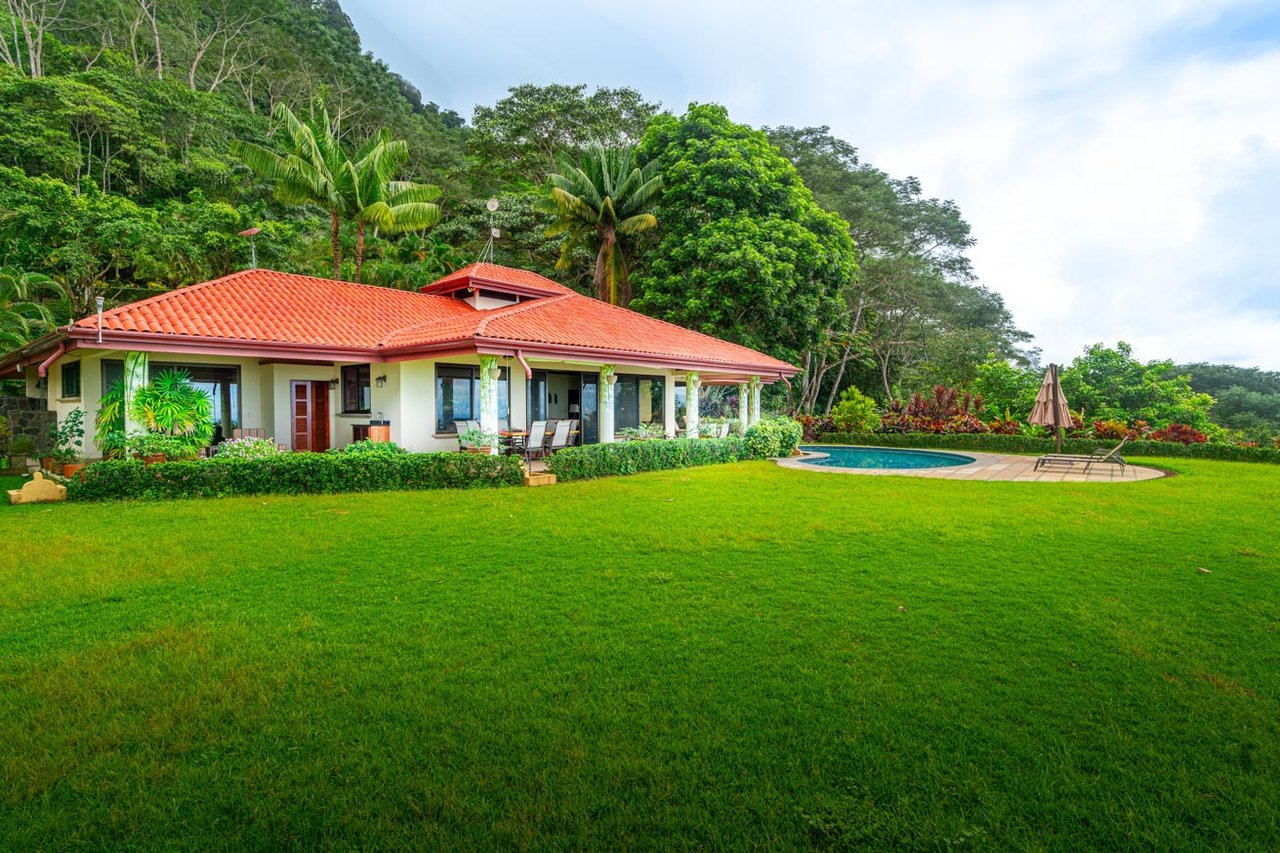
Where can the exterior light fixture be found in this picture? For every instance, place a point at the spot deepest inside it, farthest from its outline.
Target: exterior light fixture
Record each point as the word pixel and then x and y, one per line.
pixel 381 380
pixel 613 379
pixel 333 384
pixel 495 373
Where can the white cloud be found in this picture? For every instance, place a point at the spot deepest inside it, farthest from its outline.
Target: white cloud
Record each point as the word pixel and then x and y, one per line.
pixel 1110 157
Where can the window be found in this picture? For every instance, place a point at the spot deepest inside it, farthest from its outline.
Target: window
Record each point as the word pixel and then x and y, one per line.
pixel 356 397
pixel 458 396
pixel 71 379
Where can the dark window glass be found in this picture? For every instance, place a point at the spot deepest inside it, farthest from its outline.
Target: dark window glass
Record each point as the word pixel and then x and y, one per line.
pixel 458 396
pixel 71 379
pixel 112 372
pixel 356 396
pixel 626 403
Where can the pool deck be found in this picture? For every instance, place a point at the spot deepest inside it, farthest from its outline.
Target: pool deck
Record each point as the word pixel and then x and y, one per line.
pixel 992 466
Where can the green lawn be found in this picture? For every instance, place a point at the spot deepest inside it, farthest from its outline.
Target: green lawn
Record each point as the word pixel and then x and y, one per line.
pixel 738 656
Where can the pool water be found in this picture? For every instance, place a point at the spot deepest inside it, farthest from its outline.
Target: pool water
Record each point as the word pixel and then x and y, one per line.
pixel 884 457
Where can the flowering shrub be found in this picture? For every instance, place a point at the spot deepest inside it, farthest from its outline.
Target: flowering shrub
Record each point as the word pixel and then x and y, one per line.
pixel 377 448
pixel 1181 433
pixel 1005 426
pixel 248 448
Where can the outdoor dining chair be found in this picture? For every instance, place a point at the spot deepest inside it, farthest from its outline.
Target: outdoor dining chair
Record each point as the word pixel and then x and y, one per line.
pixel 560 438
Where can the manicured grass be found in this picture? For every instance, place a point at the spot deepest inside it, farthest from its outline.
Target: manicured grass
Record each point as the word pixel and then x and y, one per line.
pixel 733 656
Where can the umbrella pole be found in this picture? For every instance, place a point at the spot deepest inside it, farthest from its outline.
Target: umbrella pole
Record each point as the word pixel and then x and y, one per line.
pixel 1057 427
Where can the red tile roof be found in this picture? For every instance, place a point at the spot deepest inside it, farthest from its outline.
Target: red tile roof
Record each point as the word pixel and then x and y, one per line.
pixel 262 307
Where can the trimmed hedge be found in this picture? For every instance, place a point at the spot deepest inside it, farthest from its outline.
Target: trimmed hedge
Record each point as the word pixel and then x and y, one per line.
pixel 991 443
pixel 588 461
pixel 293 474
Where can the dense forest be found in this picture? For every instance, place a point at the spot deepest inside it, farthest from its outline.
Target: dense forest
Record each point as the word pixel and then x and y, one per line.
pixel 137 139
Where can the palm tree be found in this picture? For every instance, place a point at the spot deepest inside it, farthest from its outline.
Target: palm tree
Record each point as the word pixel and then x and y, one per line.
pixel 316 172
pixel 22 317
pixel 599 202
pixel 374 198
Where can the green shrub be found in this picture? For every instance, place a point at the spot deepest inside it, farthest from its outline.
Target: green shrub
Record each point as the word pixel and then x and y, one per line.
pixel 1031 444
pixel 588 461
pixel 773 437
pixel 293 474
pixel 367 446
pixel 4 436
pixel 248 448
pixel 22 445
pixel 856 412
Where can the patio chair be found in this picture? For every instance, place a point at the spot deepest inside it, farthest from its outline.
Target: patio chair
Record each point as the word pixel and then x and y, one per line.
pixel 532 444
pixel 724 430
pixel 575 432
pixel 1101 456
pixel 560 438
pixel 252 432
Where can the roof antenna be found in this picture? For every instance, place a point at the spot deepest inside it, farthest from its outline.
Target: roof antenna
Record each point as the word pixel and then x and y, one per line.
pixel 486 254
pixel 253 250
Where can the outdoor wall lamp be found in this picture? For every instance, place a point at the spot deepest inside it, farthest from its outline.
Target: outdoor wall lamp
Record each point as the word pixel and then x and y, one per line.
pixel 381 380
pixel 612 380
pixel 333 384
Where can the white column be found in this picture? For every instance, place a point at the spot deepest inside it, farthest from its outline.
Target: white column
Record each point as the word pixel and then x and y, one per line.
pixel 489 372
pixel 136 366
pixel 517 395
pixel 755 399
pixel 744 404
pixel 669 406
pixel 606 403
pixel 691 385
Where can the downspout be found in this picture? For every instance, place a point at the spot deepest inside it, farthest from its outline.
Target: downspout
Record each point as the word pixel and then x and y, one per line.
pixel 528 373
pixel 784 381
pixel 43 370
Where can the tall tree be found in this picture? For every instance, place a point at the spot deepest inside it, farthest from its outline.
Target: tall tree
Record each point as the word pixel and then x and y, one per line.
pixel 519 140
pixel 315 172
pixel 603 201
pixel 746 253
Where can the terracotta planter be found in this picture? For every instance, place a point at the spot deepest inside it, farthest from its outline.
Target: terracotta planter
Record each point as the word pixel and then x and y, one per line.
pixel 70 468
pixel 151 460
pixel 484 451
pixel 48 463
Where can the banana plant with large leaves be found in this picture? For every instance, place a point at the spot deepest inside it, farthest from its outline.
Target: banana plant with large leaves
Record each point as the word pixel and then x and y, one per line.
pixel 601 201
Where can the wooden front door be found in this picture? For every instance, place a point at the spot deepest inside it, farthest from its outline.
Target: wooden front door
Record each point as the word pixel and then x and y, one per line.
pixel 310 412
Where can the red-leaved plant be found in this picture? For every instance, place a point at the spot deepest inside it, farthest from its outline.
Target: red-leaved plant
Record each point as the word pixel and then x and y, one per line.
pixel 1181 433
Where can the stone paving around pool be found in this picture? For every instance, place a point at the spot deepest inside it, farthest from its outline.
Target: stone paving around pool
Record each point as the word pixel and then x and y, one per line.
pixel 993 466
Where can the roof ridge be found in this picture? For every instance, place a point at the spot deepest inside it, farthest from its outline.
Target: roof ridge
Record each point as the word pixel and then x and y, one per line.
pixel 685 329
pixel 519 308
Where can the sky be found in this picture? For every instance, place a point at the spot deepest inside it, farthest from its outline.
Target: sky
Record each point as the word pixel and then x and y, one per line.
pixel 1119 162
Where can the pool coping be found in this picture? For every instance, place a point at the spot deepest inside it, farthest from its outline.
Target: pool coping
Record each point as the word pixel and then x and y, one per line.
pixel 994 467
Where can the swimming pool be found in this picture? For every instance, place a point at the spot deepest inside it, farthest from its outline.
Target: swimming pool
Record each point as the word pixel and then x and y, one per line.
pixel 883 457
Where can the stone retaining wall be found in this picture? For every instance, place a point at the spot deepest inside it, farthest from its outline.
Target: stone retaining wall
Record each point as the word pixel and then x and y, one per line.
pixel 28 416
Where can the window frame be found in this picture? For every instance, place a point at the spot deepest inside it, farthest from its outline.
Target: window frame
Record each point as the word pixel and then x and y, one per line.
pixel 367 386
pixel 472 372
pixel 62 380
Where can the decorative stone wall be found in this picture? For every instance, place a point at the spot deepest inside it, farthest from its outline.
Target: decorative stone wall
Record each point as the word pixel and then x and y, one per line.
pixel 28 416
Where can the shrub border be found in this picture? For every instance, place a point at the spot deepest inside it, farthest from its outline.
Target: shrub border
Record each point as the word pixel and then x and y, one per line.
pixel 1039 446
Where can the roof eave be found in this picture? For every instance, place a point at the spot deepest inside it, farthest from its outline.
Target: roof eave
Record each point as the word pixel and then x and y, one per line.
pixel 29 353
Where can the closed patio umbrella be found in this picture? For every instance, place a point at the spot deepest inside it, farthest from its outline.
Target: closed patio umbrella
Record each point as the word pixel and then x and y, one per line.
pixel 1051 406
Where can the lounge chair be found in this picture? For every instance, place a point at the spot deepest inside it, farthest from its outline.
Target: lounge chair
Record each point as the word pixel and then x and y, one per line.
pixel 1101 456
pixel 560 438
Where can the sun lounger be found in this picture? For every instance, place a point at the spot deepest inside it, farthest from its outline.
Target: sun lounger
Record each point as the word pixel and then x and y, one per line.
pixel 1101 456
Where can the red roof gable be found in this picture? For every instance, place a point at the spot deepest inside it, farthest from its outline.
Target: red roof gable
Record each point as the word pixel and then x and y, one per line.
pixel 262 310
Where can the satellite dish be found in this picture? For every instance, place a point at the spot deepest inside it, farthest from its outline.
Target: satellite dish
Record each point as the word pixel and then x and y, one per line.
pixel 492 204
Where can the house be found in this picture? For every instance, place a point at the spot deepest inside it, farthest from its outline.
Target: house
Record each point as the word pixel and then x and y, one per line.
pixel 312 361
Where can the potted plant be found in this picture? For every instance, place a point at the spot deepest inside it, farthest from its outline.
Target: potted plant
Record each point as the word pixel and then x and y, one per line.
pixel 67 441
pixel 477 441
